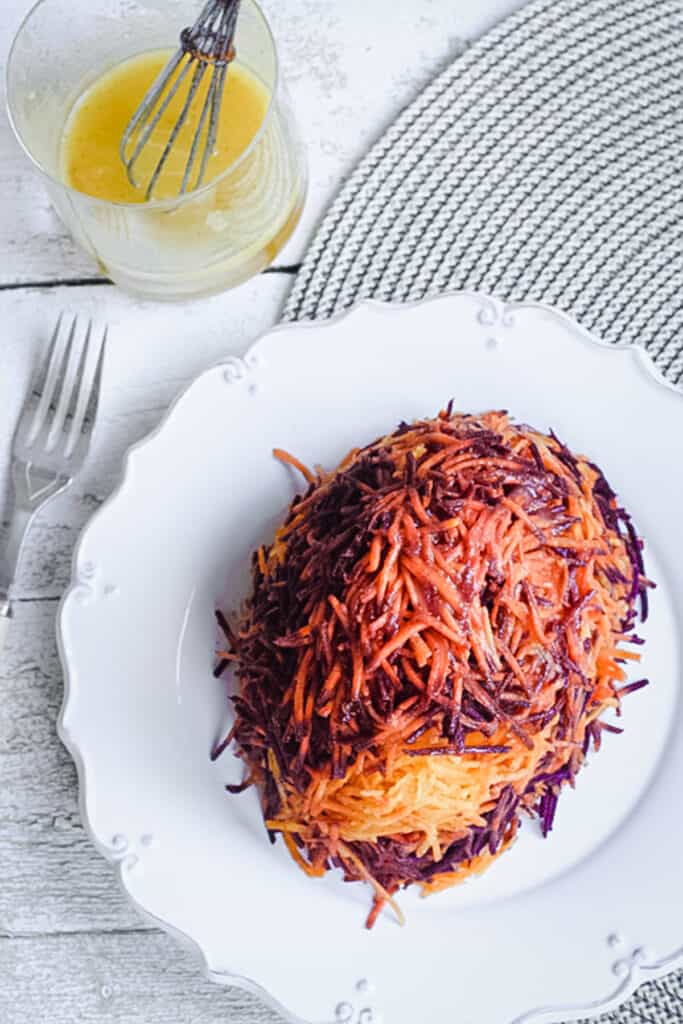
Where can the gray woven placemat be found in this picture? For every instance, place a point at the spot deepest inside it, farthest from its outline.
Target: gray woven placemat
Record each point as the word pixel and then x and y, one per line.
pixel 546 163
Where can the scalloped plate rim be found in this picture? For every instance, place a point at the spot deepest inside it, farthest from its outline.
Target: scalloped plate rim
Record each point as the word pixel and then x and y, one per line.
pixel 638 972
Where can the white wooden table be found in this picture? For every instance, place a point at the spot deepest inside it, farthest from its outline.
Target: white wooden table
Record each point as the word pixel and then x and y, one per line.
pixel 71 948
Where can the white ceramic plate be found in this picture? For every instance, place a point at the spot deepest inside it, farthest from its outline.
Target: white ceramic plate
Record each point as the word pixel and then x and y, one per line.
pixel 558 928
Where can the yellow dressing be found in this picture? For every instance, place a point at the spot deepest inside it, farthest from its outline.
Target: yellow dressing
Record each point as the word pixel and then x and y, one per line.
pixel 90 146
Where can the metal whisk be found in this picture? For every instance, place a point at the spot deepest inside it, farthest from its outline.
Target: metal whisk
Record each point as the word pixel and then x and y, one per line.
pixel 207 46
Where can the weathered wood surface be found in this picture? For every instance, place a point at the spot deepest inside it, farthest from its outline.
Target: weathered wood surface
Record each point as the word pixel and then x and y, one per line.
pixel 71 947
pixel 118 978
pixel 51 876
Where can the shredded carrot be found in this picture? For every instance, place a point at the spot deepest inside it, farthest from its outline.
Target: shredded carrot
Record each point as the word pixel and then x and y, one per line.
pixel 311 871
pixel 290 460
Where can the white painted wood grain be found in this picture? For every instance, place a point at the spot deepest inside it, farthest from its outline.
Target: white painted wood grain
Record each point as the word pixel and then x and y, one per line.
pixel 114 979
pixel 351 67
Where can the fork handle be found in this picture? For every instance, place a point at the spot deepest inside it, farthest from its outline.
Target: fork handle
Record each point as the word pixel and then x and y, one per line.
pixel 5 618
pixel 10 550
pixel 9 559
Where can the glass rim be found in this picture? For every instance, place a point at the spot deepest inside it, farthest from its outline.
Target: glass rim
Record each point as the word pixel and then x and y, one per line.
pixel 149 204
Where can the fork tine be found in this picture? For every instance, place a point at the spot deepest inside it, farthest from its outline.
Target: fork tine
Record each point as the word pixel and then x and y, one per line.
pixel 82 396
pixel 35 407
pixel 95 387
pixel 54 387
pixel 68 386
pixel 76 411
pixel 42 370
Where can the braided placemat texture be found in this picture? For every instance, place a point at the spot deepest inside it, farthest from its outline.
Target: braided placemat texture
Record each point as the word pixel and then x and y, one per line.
pixel 546 163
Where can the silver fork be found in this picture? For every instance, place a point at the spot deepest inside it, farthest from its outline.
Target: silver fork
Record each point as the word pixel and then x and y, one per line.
pixel 52 437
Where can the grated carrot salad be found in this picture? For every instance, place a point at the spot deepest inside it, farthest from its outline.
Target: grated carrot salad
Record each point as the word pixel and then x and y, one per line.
pixel 430 643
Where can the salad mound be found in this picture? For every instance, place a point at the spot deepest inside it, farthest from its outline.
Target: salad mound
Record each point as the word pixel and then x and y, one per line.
pixel 431 644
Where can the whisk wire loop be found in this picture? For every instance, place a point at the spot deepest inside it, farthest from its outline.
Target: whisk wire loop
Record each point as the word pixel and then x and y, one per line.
pixel 205 46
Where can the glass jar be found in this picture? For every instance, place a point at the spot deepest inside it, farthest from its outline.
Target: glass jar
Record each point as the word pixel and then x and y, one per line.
pixel 203 242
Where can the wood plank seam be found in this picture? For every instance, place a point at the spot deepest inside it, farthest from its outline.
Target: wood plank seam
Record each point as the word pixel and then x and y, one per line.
pixel 89 282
